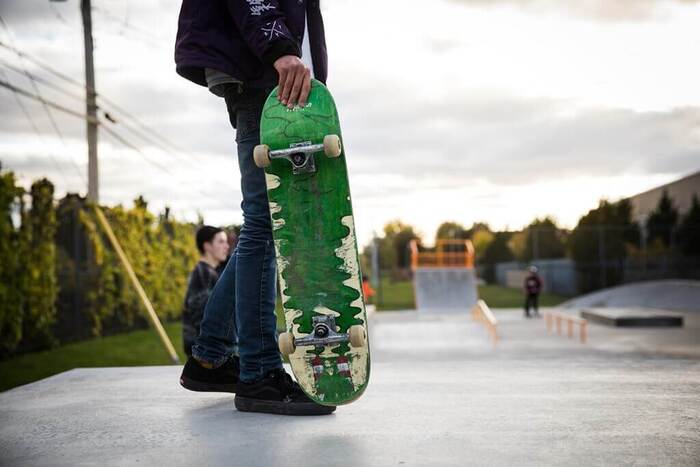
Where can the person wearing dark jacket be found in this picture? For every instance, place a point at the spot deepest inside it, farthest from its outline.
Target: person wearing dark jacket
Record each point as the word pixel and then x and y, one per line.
pixel 241 49
pixel 213 247
pixel 533 287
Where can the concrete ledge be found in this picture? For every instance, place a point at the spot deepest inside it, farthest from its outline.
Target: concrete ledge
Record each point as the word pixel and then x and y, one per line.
pixel 632 317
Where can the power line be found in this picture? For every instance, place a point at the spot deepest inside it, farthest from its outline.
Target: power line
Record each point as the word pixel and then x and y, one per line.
pixel 138 122
pixel 43 81
pixel 36 130
pixel 146 36
pixel 48 68
pixel 158 165
pixel 150 135
pixel 104 99
pixel 54 105
pixel 43 102
pixel 172 146
pixel 36 87
pixel 154 138
pixel 126 143
pixel 58 14
pixel 110 131
pixel 127 24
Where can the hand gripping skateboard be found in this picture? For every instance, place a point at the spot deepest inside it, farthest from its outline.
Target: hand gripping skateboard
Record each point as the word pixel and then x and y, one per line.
pixel 314 234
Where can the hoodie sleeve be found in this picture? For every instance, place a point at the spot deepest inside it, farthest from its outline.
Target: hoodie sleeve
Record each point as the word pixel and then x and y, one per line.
pixel 263 27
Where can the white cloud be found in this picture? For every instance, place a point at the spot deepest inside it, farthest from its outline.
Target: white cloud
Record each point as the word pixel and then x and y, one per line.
pixel 468 111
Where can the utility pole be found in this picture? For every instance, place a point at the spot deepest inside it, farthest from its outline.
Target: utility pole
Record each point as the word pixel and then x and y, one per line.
pixel 90 101
pixel 91 104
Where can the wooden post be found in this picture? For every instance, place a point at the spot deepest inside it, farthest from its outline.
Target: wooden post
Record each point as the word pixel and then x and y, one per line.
pixel 548 320
pixel 582 331
pixel 558 321
pixel 151 314
pixel 570 327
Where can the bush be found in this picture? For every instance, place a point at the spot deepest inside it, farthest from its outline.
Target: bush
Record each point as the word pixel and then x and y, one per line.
pixel 60 279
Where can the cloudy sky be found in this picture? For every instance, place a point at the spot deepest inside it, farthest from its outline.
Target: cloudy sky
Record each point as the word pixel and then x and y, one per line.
pixel 462 110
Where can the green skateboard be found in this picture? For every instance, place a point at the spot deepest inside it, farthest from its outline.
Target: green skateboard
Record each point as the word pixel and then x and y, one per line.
pixel 314 234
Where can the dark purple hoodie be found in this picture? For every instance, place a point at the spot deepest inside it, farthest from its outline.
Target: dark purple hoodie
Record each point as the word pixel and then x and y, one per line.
pixel 243 38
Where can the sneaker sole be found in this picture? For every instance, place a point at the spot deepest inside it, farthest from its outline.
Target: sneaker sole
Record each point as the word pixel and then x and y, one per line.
pixel 247 404
pixel 199 386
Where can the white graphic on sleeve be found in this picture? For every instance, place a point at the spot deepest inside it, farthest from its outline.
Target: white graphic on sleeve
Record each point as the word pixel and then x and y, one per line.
pixel 257 7
pixel 273 30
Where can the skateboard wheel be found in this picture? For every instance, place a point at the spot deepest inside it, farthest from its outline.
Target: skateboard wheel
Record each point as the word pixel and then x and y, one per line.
pixel 357 336
pixel 331 145
pixel 261 155
pixel 286 343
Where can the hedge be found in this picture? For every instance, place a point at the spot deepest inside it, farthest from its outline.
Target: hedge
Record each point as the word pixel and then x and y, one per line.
pixel 60 280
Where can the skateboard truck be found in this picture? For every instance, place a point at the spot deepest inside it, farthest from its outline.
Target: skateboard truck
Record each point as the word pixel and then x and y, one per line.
pixel 301 155
pixel 324 334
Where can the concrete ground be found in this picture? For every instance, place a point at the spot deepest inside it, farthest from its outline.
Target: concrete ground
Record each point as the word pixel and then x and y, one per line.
pixel 440 394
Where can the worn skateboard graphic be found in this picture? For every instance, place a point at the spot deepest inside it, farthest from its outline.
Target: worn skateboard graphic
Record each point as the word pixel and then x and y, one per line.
pixel 314 233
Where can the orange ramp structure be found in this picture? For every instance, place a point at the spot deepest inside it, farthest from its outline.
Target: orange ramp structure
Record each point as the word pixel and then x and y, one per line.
pixel 444 279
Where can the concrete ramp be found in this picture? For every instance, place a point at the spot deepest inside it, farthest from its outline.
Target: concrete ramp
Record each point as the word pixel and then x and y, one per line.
pixel 674 294
pixel 445 288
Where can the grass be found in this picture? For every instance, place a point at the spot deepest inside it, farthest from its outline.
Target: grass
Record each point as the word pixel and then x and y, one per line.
pixel 395 295
pixel 135 348
pixel 140 348
pixel 399 296
pixel 496 296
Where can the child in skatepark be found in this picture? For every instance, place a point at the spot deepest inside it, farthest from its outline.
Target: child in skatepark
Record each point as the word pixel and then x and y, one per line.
pixel 240 50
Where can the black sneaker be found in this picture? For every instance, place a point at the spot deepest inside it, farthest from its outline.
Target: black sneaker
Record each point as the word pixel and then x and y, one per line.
pixel 277 393
pixel 221 379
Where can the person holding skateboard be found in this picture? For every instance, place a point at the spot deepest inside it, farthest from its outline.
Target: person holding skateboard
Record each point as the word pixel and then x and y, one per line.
pixel 241 49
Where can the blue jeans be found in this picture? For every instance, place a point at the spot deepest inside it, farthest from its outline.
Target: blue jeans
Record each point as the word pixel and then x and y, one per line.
pixel 240 314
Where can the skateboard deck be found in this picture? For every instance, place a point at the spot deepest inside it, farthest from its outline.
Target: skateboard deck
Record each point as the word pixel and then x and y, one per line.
pixel 326 336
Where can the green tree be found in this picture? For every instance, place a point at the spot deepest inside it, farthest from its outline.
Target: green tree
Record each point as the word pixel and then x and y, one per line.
pixel 599 244
pixel 481 239
pixel 516 244
pixel 662 221
pixel 40 258
pixel 450 231
pixel 398 236
pixel 689 231
pixel 543 240
pixel 497 251
pixel 11 271
pixel 91 294
pixel 476 227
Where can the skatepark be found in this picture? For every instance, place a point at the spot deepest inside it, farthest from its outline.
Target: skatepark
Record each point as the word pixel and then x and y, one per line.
pixel 442 392
pixel 468 230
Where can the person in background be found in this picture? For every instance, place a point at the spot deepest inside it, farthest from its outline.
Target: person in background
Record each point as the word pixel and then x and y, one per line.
pixel 213 247
pixel 533 287
pixel 367 289
pixel 232 242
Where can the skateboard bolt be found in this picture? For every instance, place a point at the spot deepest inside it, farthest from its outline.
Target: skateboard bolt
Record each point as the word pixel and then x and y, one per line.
pixel 298 159
pixel 321 331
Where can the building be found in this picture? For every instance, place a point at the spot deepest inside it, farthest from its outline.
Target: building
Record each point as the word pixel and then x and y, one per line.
pixel 681 193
